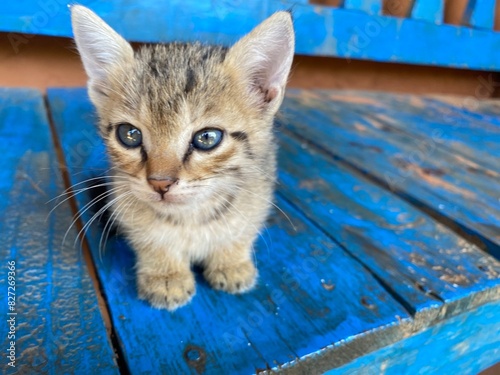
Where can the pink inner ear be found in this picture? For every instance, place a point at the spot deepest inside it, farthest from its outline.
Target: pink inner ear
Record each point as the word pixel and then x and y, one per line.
pixel 270 94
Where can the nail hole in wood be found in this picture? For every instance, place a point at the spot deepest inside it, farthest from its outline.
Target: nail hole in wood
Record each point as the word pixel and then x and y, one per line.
pixel 366 303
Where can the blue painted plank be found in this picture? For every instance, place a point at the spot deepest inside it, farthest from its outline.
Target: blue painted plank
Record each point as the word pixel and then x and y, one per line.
pixel 312 297
pixel 217 21
pixel 466 344
pixel 483 14
pixel 424 263
pixel 368 6
pixel 59 328
pixel 476 138
pixel 417 166
pixel 320 30
pixel 430 11
pixel 476 107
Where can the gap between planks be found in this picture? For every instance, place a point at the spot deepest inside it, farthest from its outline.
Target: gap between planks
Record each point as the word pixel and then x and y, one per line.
pixel 428 317
pixel 466 233
pixel 404 304
pixel 101 300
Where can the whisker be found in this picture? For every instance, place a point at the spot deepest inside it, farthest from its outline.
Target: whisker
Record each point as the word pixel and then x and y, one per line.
pixel 126 205
pixel 218 195
pixel 270 202
pixel 87 225
pixel 248 221
pixel 64 200
pixel 82 182
pixel 87 207
pixel 78 191
pixel 72 193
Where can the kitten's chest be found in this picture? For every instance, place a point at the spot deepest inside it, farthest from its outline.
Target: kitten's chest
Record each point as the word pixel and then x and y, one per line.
pixel 187 237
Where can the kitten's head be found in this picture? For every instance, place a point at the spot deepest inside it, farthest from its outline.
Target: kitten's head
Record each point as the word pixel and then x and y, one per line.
pixel 185 123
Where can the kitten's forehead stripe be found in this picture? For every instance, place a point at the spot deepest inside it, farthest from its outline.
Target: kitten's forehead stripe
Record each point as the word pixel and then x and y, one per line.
pixel 190 80
pixel 167 77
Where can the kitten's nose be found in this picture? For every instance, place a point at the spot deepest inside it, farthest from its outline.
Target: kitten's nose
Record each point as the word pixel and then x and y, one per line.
pixel 162 185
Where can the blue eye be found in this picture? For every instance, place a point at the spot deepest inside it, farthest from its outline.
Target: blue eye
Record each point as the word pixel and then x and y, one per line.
pixel 129 135
pixel 207 139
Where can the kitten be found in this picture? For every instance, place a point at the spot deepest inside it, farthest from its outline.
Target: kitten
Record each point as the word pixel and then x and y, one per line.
pixel 188 129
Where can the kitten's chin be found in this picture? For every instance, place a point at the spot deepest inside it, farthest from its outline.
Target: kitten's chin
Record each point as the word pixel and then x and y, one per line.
pixel 168 200
pixel 177 199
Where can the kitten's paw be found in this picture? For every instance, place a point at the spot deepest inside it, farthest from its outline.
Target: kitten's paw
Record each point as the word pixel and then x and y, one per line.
pixel 166 291
pixel 237 278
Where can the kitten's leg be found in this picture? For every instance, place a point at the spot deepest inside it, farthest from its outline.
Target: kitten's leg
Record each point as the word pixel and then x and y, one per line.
pixel 163 280
pixel 231 270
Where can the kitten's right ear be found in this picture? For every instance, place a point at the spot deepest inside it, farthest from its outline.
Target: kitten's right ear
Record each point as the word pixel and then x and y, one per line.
pixel 100 47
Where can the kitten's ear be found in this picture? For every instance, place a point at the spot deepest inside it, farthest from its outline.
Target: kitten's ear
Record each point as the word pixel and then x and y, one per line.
pixel 264 58
pixel 100 47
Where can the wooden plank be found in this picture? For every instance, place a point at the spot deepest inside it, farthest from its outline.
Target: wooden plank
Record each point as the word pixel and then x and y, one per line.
pixel 217 21
pixel 59 328
pixel 368 6
pixel 312 296
pixel 482 15
pixel 324 31
pixel 424 263
pixel 475 333
pixel 474 137
pixel 430 11
pixel 418 167
pixel 480 107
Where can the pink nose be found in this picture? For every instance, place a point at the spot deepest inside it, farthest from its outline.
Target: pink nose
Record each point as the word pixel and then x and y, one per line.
pixel 162 185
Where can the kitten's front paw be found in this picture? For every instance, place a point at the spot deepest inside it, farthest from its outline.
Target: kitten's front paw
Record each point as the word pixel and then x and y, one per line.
pixel 166 291
pixel 238 278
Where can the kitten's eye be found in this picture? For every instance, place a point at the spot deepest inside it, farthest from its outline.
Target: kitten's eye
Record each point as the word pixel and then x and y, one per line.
pixel 129 135
pixel 207 139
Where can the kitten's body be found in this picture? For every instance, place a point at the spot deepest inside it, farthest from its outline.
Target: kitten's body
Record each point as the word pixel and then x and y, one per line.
pixel 179 204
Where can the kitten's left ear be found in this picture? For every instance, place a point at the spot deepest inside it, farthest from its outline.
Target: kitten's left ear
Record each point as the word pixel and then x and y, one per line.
pixel 264 58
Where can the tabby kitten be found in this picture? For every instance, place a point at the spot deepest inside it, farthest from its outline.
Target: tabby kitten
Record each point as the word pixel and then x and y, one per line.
pixel 188 129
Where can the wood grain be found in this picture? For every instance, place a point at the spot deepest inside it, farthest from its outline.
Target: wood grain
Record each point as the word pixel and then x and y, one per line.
pixel 59 323
pixel 423 263
pixel 421 157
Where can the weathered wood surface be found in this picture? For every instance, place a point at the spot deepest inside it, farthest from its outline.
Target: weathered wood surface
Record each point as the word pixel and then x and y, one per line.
pixel 439 349
pixel 395 273
pixel 409 145
pixel 59 328
pixel 354 32
pixel 311 294
pixel 423 263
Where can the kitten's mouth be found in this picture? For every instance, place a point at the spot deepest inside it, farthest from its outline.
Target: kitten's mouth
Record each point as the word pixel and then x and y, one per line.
pixel 172 198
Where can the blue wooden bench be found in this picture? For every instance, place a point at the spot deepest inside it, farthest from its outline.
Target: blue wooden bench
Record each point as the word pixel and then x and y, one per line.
pixel 384 259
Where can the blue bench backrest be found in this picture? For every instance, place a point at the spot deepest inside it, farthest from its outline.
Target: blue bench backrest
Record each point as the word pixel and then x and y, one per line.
pixel 356 29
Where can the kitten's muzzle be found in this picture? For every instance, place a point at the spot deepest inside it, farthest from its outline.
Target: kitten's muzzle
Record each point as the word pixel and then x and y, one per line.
pixel 162 185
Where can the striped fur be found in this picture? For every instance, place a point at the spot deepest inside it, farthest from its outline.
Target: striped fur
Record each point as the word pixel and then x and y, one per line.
pixel 215 209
